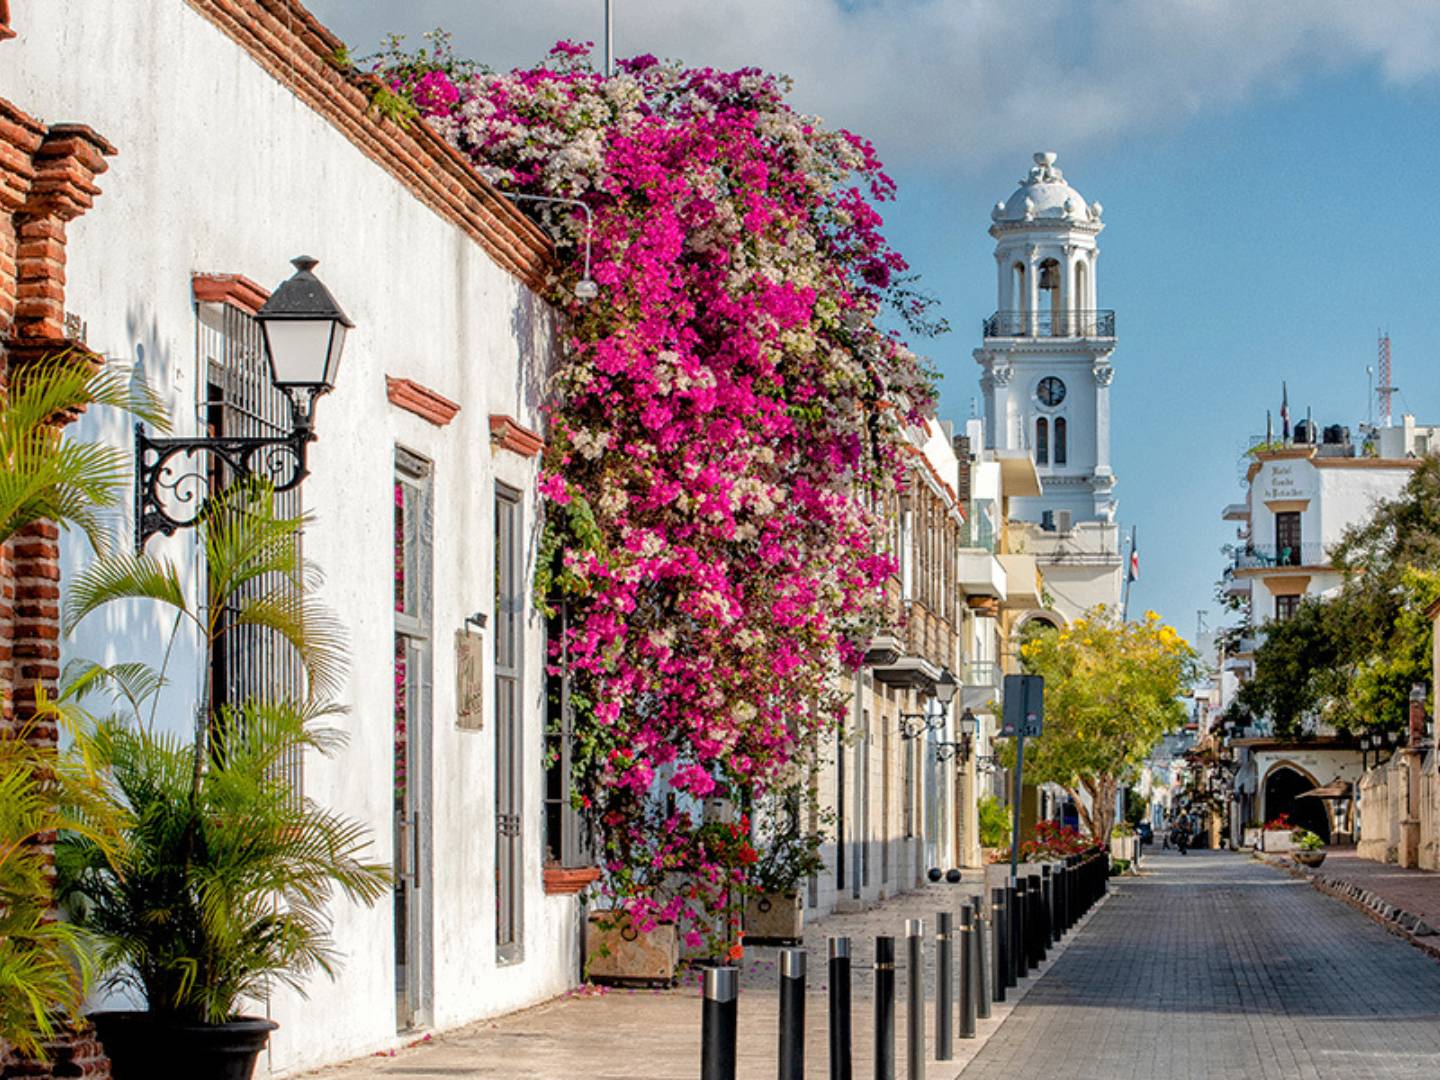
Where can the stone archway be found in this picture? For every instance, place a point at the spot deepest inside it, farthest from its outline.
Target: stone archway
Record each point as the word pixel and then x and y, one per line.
pixel 1284 784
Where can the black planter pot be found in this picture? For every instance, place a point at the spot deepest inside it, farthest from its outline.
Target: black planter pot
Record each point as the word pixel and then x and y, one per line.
pixel 144 1046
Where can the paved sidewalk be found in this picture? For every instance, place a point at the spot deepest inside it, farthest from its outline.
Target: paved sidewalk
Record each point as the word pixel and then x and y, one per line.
pixel 627 1035
pixel 1216 967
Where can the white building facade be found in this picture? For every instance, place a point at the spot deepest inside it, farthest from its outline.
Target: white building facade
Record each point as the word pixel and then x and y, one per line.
pixel 1045 378
pixel 423 478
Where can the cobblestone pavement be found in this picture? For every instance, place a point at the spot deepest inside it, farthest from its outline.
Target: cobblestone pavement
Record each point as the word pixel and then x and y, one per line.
pixel 1215 966
pixel 625 1035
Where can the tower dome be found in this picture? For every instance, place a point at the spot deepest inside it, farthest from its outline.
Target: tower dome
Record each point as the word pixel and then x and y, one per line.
pixel 1044 195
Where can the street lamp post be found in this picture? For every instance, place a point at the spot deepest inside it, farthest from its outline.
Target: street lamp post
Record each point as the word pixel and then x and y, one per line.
pixel 304 335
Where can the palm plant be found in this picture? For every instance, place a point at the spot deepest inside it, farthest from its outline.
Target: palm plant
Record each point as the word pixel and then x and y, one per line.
pixel 45 474
pixel 221 886
pixel 44 969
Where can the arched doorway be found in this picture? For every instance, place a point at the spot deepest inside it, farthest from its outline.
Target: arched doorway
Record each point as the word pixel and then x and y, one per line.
pixel 1284 785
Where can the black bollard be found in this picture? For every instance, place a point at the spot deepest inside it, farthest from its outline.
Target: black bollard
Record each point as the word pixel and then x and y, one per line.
pixel 792 1014
pixel 1047 904
pixel 944 973
pixel 1035 918
pixel 884 1008
pixel 1057 888
pixel 1012 934
pixel 983 961
pixel 1000 933
pixel 915 1007
pixel 718 1014
pixel 1020 927
pixel 841 1062
pixel 967 972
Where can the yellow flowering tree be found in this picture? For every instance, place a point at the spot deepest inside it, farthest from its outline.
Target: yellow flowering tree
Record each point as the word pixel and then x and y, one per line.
pixel 1112 691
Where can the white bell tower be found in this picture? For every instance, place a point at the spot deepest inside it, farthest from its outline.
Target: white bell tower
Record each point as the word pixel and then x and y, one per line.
pixel 1046 372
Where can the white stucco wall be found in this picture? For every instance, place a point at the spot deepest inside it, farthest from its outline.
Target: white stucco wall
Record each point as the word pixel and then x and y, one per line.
pixel 222 169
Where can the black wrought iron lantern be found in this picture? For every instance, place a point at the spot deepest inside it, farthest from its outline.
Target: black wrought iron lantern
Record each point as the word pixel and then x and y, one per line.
pixel 304 331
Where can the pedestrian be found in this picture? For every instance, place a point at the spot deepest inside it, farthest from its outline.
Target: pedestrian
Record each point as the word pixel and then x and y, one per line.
pixel 1182 838
pixel 1165 836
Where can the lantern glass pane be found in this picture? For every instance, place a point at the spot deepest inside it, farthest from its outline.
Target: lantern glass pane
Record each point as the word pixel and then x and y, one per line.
pixel 299 350
pixel 337 346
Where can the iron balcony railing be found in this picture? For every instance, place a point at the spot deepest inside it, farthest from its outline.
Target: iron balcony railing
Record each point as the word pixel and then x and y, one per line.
pixel 1076 324
pixel 1264 556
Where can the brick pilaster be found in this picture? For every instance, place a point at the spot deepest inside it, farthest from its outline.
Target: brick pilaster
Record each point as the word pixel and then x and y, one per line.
pixel 66 164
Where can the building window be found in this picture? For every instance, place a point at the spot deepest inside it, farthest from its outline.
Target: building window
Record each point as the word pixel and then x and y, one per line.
pixel 1042 441
pixel 1060 448
pixel 509 757
pixel 413 547
pixel 566 842
pixel 1286 607
pixel 247 663
pixel 1287 538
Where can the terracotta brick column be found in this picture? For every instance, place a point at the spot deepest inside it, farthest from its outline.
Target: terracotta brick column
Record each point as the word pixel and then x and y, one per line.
pixel 47 179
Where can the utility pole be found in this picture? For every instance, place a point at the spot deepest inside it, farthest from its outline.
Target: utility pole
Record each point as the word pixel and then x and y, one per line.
pixel 609 38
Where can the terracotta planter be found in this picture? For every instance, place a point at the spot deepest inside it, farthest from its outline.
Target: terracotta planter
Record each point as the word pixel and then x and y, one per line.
pixel 143 1046
pixel 1311 859
pixel 624 954
pixel 777 918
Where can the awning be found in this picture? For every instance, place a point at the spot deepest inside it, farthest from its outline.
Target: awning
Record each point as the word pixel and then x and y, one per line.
pixel 1336 789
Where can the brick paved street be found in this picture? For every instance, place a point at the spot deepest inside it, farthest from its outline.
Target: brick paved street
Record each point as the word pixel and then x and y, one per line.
pixel 1214 966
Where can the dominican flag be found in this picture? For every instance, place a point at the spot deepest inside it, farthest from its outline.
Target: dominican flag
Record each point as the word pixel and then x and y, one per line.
pixel 1284 411
pixel 1134 564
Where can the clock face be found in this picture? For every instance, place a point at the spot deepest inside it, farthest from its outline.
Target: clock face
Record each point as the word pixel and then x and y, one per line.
pixel 1051 391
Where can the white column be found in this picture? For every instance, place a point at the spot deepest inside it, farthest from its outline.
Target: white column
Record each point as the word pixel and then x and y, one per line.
pixel 1032 292
pixel 1103 373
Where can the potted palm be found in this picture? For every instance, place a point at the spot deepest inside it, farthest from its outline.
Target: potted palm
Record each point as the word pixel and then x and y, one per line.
pixel 1309 849
pixel 219 887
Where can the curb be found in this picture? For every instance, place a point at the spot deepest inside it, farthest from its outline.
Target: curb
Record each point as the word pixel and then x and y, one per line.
pixel 1398 921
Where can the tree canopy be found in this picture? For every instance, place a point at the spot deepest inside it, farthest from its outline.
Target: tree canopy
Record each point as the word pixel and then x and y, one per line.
pixel 1112 691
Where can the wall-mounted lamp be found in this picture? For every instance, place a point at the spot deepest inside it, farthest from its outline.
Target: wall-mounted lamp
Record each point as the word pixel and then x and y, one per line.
pixel 969 726
pixel 585 288
pixel 942 690
pixel 304 335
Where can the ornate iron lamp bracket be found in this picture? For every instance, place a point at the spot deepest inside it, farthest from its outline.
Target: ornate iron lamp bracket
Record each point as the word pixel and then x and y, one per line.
pixel 174 475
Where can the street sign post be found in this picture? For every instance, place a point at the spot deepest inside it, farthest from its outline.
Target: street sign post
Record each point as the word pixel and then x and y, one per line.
pixel 1023 717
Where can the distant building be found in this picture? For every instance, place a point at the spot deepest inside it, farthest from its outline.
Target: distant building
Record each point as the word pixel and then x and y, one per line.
pixel 1045 379
pixel 1302 494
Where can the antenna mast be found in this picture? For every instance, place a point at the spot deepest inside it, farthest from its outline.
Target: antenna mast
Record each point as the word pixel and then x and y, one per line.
pixel 1384 390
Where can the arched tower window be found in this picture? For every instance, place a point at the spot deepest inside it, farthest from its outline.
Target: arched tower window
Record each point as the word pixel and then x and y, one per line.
pixel 1042 441
pixel 1059 440
pixel 1051 281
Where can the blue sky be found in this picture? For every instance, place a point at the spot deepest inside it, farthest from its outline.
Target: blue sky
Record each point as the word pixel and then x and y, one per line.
pixel 1270 175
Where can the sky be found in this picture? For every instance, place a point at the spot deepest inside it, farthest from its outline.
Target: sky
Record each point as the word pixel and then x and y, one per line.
pixel 1270 174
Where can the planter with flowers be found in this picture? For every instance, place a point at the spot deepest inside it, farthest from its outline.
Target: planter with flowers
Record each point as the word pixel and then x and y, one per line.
pixel 1309 848
pixel 774 909
pixel 1278 834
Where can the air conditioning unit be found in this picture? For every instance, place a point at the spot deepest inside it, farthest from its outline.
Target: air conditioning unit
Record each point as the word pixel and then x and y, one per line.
pixel 1063 521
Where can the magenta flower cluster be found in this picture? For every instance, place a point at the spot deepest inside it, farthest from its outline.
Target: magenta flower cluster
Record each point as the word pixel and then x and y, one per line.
pixel 723 442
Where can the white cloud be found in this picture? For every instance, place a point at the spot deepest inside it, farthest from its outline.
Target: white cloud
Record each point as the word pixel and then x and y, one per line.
pixel 964 82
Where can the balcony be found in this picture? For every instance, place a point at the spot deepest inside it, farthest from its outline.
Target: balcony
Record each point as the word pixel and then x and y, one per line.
pixel 981 573
pixel 979 685
pixel 1271 556
pixel 1061 324
pixel 1022 579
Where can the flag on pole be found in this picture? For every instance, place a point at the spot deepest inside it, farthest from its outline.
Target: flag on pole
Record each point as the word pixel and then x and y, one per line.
pixel 1284 411
pixel 1134 564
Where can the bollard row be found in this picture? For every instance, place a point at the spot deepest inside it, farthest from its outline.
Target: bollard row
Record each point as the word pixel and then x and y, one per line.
pixel 994 942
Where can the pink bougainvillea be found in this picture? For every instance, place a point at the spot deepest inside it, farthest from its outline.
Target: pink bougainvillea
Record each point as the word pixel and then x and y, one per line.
pixel 724 435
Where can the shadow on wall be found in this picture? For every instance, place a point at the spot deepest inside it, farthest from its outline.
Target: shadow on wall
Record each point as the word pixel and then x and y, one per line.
pixel 137 630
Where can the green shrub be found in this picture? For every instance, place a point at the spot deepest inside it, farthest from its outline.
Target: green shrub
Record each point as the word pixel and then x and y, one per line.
pixel 994 823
